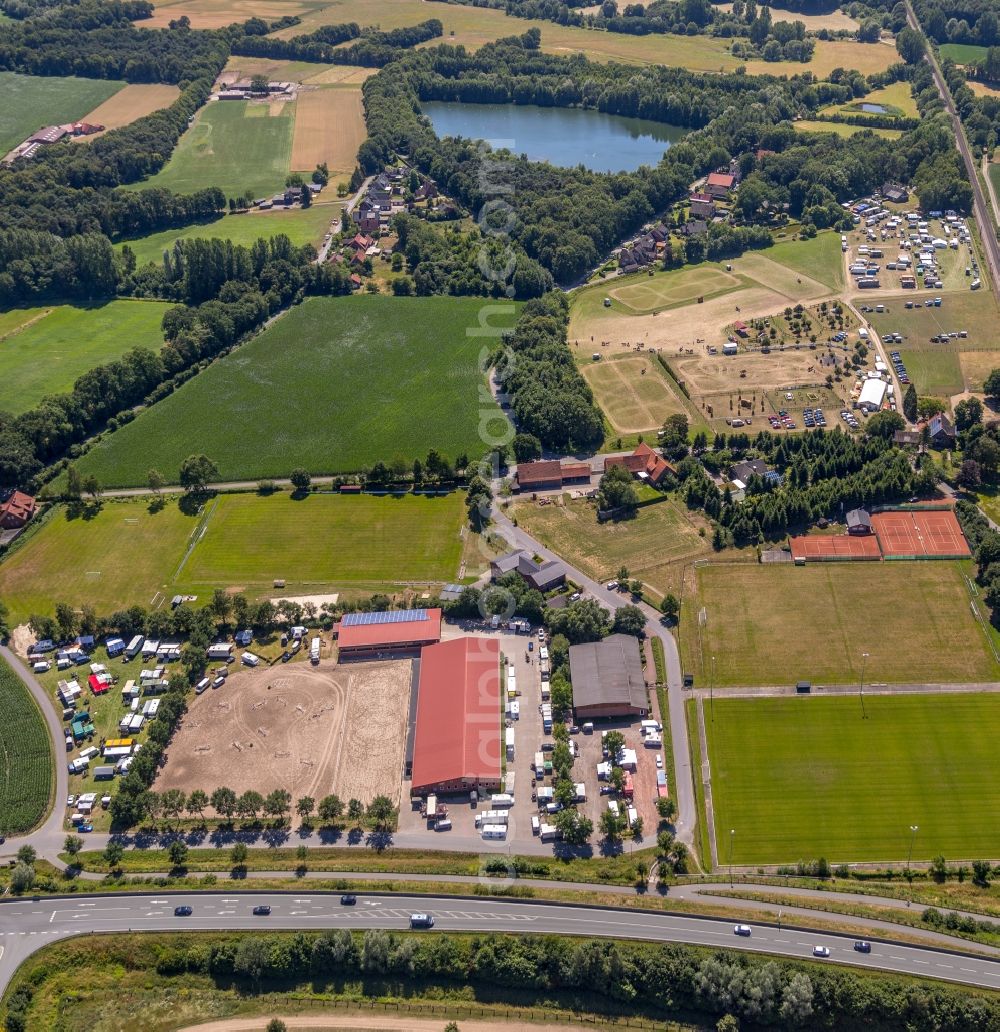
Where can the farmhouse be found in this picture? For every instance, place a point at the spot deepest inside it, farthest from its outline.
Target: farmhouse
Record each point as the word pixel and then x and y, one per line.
pixel 395 632
pixel 456 744
pixel 551 474
pixel 643 463
pixel 743 471
pixel 941 431
pixel 607 678
pixel 859 522
pixel 907 437
pixel 16 511
pixel 541 576
pixel 719 184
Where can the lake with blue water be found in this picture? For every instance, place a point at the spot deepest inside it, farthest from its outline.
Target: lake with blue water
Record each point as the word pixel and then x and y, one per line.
pixel 562 136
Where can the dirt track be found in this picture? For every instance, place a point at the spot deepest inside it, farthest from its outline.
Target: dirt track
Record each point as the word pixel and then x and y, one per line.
pixel 309 730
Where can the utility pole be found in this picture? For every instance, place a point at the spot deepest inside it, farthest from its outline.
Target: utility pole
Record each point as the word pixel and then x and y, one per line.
pixel 913 834
pixel 861 688
pixel 732 832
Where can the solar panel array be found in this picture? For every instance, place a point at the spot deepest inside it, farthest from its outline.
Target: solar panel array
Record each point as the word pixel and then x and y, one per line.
pixel 386 617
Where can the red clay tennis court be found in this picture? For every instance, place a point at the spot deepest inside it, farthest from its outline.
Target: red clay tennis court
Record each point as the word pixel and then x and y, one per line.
pixel 920 532
pixel 828 547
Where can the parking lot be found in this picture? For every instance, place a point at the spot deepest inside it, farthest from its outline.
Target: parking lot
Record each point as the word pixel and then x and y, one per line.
pixel 521 653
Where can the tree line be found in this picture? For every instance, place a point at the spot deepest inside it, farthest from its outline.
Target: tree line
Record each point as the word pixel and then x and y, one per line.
pixel 373 49
pixel 654 980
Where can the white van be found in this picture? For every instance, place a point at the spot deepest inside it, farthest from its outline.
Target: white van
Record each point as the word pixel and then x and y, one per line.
pixel 201 686
pixel 249 659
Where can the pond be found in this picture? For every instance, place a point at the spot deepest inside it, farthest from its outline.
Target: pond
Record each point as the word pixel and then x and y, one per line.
pixel 562 136
pixel 874 109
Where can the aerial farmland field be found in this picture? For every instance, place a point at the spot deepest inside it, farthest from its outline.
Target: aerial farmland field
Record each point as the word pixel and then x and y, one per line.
pixel 335 385
pixel 238 146
pixel 44 350
pixel 801 778
pixel 31 101
pixel 26 765
pixel 301 226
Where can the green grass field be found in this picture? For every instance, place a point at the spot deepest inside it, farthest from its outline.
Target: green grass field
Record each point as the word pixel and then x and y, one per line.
pixel 301 227
pixel 808 125
pixel 250 540
pixel 655 545
pixel 896 98
pixel 802 778
pixel 33 101
pixel 935 372
pixel 235 145
pixel 778 624
pixel 45 350
pixel 26 766
pixel 124 554
pixel 819 258
pixel 335 385
pixel 962 53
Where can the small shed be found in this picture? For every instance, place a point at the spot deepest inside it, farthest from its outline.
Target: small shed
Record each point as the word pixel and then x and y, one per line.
pixel 859 522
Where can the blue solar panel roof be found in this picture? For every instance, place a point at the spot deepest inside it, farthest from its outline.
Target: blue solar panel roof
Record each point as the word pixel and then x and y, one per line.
pixel 387 617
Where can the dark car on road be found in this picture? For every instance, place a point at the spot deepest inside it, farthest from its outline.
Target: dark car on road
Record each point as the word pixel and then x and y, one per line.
pixel 348 900
pixel 262 911
pixel 182 911
pixel 863 947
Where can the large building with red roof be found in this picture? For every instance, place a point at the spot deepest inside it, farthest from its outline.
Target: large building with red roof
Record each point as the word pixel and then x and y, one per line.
pixel 643 463
pixel 456 744
pixel 387 634
pixel 16 511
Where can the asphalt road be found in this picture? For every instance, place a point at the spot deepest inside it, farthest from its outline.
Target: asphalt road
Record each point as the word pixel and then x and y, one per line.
pixel 39 922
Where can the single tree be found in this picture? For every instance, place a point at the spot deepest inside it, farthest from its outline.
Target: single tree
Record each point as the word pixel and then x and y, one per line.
pixel 670 606
pixel 196 472
pixel 224 802
pixel 330 809
pixel 113 853
pixel 910 403
pixel 196 803
pixel 26 855
pixel 276 1025
pixel 177 851
pixel 155 480
pixel 381 812
pixel 238 854
pixel 300 479
pixel 304 808
pixel 73 844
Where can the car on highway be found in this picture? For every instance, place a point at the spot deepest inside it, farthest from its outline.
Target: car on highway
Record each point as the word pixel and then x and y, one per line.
pixel 742 929
pixel 261 911
pixel 421 921
pixel 348 900
pixel 821 951
pixel 862 947
pixel 182 911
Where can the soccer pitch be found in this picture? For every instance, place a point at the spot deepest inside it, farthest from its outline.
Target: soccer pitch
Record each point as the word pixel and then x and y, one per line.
pixel 801 778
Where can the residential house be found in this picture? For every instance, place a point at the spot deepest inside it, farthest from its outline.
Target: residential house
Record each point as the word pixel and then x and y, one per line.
pixel 743 471
pixel 719 185
pixel 644 464
pixel 911 438
pixel 541 576
pixel 17 511
pixel 702 205
pixel 694 227
pixel 942 432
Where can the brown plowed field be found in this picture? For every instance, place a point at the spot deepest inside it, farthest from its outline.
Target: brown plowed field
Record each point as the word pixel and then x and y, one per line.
pixel 134 101
pixel 310 730
pixel 330 127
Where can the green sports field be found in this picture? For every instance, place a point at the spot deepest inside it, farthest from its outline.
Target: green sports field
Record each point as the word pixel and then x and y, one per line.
pixel 335 385
pixel 802 778
pixel 778 624
pixel 250 540
pixel 300 226
pixel 125 554
pixel 32 101
pixel 45 350
pixel 235 145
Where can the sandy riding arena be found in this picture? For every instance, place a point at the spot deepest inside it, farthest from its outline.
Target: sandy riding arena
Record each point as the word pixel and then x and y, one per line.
pixel 311 731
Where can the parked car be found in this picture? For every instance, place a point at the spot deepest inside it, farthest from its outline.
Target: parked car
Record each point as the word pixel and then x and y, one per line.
pixel 862 947
pixel 182 911
pixel 744 930
pixel 262 910
pixel 85 828
pixel 348 900
pixel 821 951
pixel 70 800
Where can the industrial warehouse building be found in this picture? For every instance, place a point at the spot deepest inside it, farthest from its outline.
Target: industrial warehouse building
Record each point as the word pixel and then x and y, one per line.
pixel 607 678
pixel 388 634
pixel 456 743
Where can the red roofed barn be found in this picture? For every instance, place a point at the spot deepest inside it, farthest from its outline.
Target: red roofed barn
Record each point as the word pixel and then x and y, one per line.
pixel 391 633
pixel 16 511
pixel 550 474
pixel 456 745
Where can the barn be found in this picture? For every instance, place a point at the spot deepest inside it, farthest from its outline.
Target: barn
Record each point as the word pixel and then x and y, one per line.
pixel 456 743
pixel 388 633
pixel 607 678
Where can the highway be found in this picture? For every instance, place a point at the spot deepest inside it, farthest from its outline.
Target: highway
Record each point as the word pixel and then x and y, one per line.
pixel 29 925
pixel 981 208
